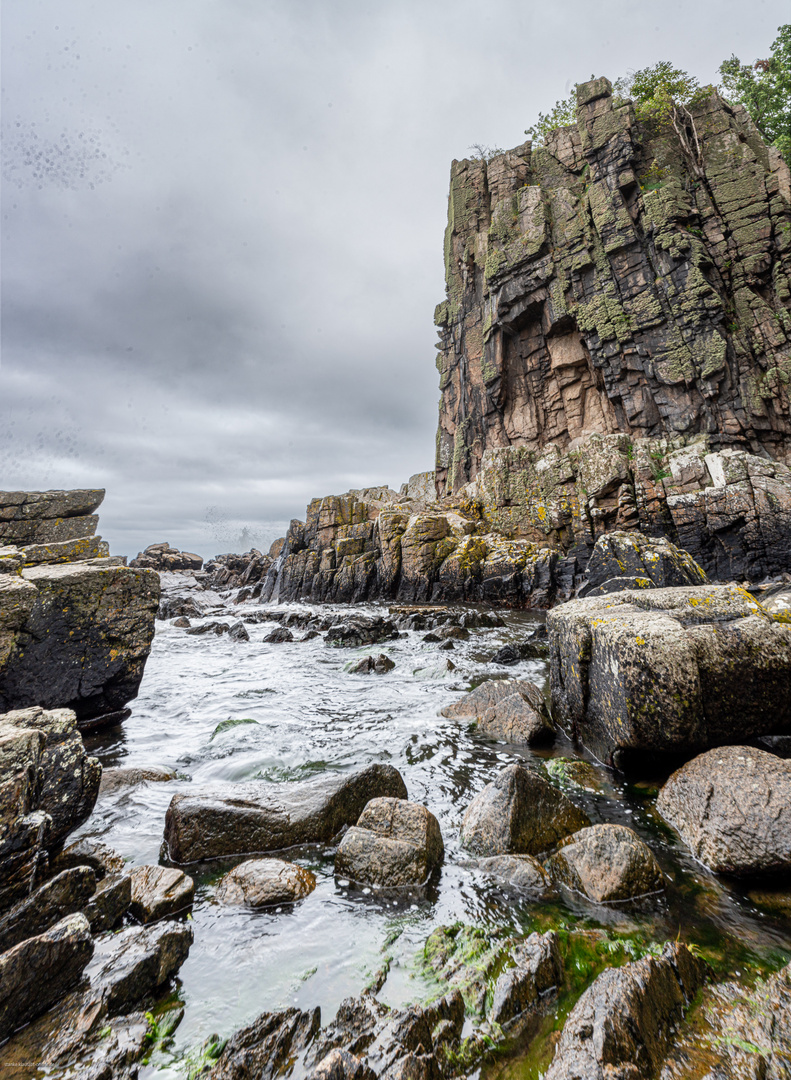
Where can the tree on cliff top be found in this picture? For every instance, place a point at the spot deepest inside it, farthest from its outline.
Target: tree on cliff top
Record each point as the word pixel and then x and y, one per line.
pixel 764 89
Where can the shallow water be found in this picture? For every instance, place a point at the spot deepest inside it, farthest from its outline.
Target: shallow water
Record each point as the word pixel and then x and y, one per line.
pixel 312 715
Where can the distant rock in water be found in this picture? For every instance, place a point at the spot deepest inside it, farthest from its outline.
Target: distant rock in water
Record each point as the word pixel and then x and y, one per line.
pixel 164 557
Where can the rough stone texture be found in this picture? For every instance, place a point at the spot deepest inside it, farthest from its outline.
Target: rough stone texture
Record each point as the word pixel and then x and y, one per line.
pixel 265 882
pixel 648 562
pixel 109 903
pixel 75 635
pixel 132 964
pixel 585 296
pixel 87 852
pixel 748 1033
pixel 159 891
pixel 515 720
pixel 64 895
pixel 520 872
pixel 395 843
pixel 36 505
pixel 240 819
pixel 669 669
pixel 519 813
pixel 475 704
pixel 40 970
pixel 359 631
pixel 26 531
pixel 118 779
pixel 623 1024
pixel 164 557
pixel 265 1048
pixel 538 970
pixel 732 806
pixel 607 863
pixel 380 664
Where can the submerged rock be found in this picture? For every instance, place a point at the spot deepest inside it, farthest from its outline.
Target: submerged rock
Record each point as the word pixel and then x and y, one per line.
pixel 38 971
pixel 519 813
pixel 395 843
pixel 159 891
pixel 238 819
pixel 265 882
pixel 380 664
pixel 669 669
pixel 624 1023
pixel 117 779
pixel 732 806
pixel 520 872
pixel 607 863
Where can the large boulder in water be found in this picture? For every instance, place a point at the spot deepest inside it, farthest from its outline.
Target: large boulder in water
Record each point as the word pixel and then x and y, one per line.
pixel 264 882
pixel 519 813
pixel 240 819
pixel 395 843
pixel 669 670
pixel 607 863
pixel 623 1025
pixel 732 806
pixel 628 560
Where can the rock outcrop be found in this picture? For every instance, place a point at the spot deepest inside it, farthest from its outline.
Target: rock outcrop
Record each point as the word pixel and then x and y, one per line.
pixel 75 624
pixel 395 843
pixel 607 863
pixel 164 557
pixel 669 670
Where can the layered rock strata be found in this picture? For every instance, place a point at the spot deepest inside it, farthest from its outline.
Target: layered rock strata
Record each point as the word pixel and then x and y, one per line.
pixel 75 624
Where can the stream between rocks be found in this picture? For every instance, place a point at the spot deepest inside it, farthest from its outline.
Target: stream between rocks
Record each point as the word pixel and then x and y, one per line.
pixel 215 709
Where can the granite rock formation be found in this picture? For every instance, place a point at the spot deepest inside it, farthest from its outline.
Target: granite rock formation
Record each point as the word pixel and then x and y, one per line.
pixel 75 623
pixel 164 557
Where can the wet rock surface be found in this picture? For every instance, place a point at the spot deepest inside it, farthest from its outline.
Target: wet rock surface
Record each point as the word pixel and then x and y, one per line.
pixel 266 1047
pixel 519 813
pixel 39 970
pixel 265 882
pixel 248 818
pixel 395 843
pixel 607 863
pixel 732 806
pixel 624 1020
pixel 520 872
pixel 537 971
pixel 65 894
pixel 380 664
pixel 159 891
pixel 130 965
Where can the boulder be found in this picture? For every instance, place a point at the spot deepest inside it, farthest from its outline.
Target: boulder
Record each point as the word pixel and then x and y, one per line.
pixel 638 562
pixel 159 891
pixel 520 872
pixel 211 627
pixel 267 1047
pixel 360 630
pixel 519 813
pixel 78 638
pixel 538 969
pixel 381 664
pixel 732 806
pixel 239 632
pixel 669 670
pixel 65 894
pixel 487 695
pixel 625 1022
pixel 278 635
pixel 38 971
pixel 130 965
pixel 109 903
pixel 606 863
pixel 176 606
pixel 395 843
pixel 118 779
pixel 238 819
pixel 514 719
pixel 264 883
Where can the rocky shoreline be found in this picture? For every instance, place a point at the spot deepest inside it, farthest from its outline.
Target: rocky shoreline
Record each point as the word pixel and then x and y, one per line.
pixel 611 450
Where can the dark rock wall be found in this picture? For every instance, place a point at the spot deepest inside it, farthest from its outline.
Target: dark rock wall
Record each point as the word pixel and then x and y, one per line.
pixel 617 280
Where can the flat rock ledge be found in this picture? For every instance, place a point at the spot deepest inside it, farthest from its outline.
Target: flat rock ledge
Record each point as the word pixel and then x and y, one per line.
pixel 669 670
pixel 394 844
pixel 732 806
pixel 252 818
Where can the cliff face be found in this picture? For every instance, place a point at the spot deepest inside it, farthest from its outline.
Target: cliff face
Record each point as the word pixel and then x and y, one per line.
pixel 615 281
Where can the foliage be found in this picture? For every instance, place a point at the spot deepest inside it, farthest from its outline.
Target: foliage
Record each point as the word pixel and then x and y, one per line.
pixel 764 89
pixel 563 113
pixel 657 90
pixel 484 153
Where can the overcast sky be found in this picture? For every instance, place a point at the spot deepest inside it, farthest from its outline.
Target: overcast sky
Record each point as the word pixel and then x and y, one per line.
pixel 222 231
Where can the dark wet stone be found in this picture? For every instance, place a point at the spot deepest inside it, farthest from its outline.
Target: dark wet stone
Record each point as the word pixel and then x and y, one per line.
pixel 182 622
pixel 380 664
pixel 310 635
pixel 266 1048
pixel 159 891
pixel 40 970
pixel 109 903
pixel 63 895
pixel 519 813
pixel 243 818
pixel 359 631
pixel 88 852
pixel 213 627
pixel 239 632
pixel 279 635
pixel 624 1023
pixel 265 882
pixel 130 965
pixel 538 969
pixel 732 806
pixel 394 844
pixel 607 863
